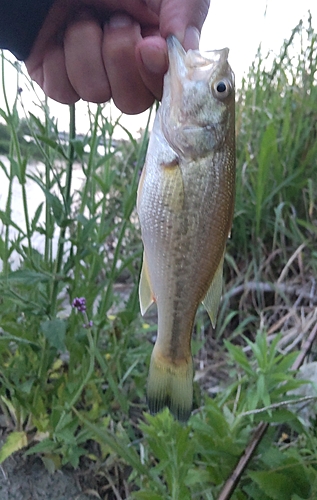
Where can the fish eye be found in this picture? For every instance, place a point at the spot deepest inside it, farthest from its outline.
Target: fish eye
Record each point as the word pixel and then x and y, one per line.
pixel 222 88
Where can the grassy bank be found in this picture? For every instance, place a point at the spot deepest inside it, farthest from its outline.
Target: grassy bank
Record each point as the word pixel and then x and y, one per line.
pixel 73 374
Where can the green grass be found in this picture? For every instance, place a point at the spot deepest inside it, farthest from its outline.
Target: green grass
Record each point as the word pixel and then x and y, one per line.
pixel 66 383
pixel 276 146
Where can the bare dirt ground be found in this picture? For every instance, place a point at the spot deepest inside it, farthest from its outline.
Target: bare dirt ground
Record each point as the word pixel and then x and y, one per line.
pixel 25 478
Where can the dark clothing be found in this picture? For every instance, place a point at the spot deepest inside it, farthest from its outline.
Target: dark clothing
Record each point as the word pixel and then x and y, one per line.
pixel 20 23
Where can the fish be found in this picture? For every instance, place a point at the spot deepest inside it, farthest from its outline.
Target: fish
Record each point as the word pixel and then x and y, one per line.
pixel 185 205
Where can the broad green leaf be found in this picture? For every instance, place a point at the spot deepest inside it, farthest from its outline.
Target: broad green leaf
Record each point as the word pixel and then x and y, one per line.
pixel 37 215
pixel 73 455
pixel 51 462
pixel 37 123
pixel 148 495
pixel 4 116
pixel 14 442
pixel 279 416
pixel 275 485
pixel 26 277
pixel 272 457
pixel 55 331
pixel 15 170
pixel 45 446
pixel 117 445
pixel 14 338
pixel 281 486
pixel 7 221
pixel 52 144
pixel 254 493
pixel 287 361
pixel 56 205
pixel 238 355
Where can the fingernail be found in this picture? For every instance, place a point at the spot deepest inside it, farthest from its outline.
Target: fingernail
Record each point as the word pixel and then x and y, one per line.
pixel 191 38
pixel 120 21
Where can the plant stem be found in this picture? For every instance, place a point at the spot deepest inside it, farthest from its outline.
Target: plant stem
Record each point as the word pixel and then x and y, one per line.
pixel 48 221
pixel 15 148
pixel 89 371
pixel 87 187
pixel 8 204
pixel 91 159
pixel 91 367
pixel 67 206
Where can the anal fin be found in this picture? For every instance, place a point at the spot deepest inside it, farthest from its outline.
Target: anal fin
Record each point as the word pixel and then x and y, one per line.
pixel 213 296
pixel 145 291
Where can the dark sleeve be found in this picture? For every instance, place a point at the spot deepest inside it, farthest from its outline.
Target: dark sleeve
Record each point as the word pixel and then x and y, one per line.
pixel 20 22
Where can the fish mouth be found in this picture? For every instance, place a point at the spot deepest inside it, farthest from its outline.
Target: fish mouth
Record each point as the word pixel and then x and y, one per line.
pixel 190 128
pixel 211 128
pixel 193 63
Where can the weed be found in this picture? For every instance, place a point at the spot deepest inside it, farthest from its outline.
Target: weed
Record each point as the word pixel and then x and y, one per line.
pixel 72 376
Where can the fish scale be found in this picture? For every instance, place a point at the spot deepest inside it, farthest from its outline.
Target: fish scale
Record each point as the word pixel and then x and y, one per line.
pixel 185 205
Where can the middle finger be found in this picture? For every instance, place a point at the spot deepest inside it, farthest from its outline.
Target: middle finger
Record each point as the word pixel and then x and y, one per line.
pixel 121 35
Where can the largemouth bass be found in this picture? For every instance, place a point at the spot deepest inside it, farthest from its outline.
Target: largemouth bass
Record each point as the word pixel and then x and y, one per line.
pixel 185 206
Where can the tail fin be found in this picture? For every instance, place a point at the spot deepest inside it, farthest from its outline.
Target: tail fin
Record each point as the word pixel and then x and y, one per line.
pixel 170 385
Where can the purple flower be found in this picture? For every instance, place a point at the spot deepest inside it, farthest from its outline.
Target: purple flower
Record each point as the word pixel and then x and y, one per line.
pixel 79 303
pixel 89 324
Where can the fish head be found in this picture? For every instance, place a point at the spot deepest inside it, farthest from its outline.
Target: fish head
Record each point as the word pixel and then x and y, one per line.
pixel 197 110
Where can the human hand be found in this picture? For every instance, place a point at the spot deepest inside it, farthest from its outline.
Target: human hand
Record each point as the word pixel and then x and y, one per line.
pixel 101 49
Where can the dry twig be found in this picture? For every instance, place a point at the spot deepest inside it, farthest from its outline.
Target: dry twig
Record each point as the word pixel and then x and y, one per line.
pixel 265 287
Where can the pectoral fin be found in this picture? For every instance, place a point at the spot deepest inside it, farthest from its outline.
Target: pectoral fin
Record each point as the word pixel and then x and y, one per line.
pixel 145 291
pixel 140 186
pixel 213 296
pixel 173 187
